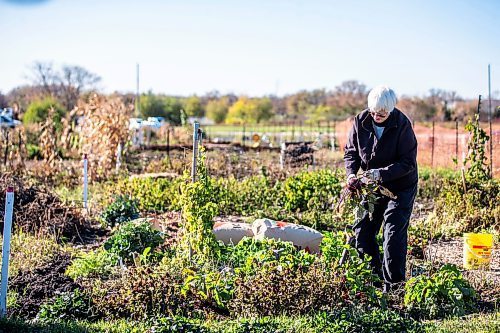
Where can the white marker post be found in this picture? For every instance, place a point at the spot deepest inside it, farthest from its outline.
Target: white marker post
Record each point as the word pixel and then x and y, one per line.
pixel 85 181
pixel 7 228
pixel 196 126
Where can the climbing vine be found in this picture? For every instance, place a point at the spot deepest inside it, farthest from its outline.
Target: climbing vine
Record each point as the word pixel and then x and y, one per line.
pixel 198 211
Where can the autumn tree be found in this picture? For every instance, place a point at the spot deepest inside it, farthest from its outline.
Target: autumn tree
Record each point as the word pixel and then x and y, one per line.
pixel 66 84
pixel 249 110
pixel 152 105
pixel 192 106
pixel 349 97
pixel 73 81
pixel 217 109
pixel 38 111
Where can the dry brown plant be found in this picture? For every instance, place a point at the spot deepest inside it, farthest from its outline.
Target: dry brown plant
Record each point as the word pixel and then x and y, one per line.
pixel 12 149
pixel 104 127
pixel 48 141
pixel 69 136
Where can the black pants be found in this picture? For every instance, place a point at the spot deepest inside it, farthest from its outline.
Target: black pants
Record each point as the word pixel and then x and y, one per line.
pixel 395 214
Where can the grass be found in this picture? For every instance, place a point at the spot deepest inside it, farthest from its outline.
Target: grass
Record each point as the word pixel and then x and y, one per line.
pixel 122 326
pixel 483 323
pixel 29 251
pixel 479 323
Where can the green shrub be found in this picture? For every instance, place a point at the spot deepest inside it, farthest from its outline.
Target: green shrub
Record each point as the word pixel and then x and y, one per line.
pixel 153 194
pixel 308 190
pixel 123 209
pixel 133 238
pixel 67 306
pixel 98 263
pixel 469 204
pixel 38 110
pixel 358 273
pixel 246 196
pixel 442 294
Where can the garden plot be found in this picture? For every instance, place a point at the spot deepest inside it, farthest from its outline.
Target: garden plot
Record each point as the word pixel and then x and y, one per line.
pixel 151 261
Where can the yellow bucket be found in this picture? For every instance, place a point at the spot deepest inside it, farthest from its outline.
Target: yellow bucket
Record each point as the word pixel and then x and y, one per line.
pixel 477 250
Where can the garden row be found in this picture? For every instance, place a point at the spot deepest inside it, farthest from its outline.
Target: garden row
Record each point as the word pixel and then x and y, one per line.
pixel 197 284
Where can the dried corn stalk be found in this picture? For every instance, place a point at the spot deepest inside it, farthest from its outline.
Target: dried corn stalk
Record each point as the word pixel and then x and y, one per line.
pixel 48 141
pixel 12 149
pixel 104 127
pixel 69 137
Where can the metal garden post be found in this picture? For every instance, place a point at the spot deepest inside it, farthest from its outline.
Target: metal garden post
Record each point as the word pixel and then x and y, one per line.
pixel 85 181
pixel 196 126
pixel 7 229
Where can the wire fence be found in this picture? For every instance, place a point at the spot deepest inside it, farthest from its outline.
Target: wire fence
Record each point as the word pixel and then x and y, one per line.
pixel 439 144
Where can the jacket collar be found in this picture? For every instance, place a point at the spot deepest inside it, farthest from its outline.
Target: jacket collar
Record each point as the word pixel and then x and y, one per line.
pixel 366 117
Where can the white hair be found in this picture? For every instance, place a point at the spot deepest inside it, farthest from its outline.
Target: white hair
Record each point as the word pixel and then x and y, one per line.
pixel 382 98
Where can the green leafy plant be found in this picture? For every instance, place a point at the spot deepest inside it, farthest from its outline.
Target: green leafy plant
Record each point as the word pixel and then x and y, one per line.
pixel 358 273
pixel 477 170
pixel 123 209
pixel 132 238
pixel 198 211
pixel 152 194
pixel 211 286
pixel 178 324
pixel 97 263
pixel 67 306
pixel 468 203
pixel 358 319
pixel 332 246
pixel 441 294
pixel 251 255
pixel 323 187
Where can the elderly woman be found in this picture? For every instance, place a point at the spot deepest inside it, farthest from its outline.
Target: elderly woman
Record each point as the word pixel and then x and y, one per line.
pixel 383 145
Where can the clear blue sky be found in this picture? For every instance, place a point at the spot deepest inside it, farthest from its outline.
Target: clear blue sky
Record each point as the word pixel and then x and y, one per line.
pixel 257 47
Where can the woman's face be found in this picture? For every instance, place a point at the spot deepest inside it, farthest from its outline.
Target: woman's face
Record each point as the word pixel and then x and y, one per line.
pixel 379 116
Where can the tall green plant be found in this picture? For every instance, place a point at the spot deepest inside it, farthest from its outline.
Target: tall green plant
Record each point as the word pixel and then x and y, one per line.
pixel 198 212
pixel 477 171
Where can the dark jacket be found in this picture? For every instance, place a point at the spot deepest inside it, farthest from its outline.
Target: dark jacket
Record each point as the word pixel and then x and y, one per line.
pixel 395 154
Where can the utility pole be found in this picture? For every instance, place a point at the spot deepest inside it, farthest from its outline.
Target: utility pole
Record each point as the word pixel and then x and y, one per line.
pixel 489 120
pixel 137 96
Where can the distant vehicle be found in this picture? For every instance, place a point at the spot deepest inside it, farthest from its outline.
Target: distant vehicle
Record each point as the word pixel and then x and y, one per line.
pixel 7 120
pixel 152 122
pixel 7 112
pixel 135 123
pixel 160 119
